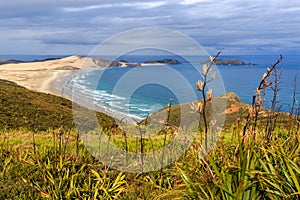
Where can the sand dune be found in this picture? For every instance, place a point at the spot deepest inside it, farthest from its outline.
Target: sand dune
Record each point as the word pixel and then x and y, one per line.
pixel 39 76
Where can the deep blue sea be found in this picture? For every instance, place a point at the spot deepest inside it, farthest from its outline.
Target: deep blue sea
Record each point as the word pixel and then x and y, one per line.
pixel 139 91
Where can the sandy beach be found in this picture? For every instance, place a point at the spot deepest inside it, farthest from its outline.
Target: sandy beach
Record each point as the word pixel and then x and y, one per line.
pixel 49 77
pixel 39 76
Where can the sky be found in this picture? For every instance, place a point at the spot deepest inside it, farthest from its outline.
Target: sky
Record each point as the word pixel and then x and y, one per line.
pixel 68 27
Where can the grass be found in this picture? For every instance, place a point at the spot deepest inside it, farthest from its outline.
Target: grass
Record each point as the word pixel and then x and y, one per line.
pixel 22 108
pixel 229 171
pixel 67 68
pixel 41 156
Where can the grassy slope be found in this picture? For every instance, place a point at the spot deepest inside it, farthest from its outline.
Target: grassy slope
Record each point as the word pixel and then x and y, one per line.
pixel 58 165
pixel 25 114
pixel 23 108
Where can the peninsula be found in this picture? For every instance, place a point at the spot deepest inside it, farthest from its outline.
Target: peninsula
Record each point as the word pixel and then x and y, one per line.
pixel 230 61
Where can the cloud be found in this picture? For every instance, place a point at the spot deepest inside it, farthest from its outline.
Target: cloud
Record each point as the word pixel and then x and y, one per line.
pixel 189 2
pixel 220 24
pixel 137 5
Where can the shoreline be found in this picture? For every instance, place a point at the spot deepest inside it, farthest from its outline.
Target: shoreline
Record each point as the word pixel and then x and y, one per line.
pixel 47 77
pixel 56 87
pixel 77 99
pixel 49 85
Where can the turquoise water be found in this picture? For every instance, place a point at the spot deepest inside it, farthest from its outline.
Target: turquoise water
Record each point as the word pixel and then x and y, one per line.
pixel 100 86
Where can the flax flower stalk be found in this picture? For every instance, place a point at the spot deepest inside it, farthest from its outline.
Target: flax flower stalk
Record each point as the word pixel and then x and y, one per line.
pixel 257 99
pixel 207 96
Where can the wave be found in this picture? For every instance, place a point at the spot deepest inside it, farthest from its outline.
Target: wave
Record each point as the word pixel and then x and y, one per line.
pixel 112 104
pixel 144 109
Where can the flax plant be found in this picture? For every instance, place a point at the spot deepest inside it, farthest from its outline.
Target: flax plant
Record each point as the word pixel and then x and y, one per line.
pixel 208 76
pixel 257 100
pixel 293 111
pixel 167 123
pixel 274 112
pixel 294 96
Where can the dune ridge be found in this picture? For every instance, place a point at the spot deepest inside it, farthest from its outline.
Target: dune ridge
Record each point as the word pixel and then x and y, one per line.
pixel 40 75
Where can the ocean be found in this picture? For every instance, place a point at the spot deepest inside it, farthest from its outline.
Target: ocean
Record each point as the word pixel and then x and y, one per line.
pixel 140 91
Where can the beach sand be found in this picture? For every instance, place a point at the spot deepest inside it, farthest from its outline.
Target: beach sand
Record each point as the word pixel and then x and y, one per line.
pixel 40 76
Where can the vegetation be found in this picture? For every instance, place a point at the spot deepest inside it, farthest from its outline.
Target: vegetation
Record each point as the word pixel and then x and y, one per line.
pixel 35 111
pixel 67 68
pixel 21 108
pixel 41 155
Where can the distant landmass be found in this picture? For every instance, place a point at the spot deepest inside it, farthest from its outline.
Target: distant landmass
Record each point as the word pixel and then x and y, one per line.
pixel 9 61
pixel 164 61
pixel 230 61
pixel 125 63
pixel 4 61
pixel 91 60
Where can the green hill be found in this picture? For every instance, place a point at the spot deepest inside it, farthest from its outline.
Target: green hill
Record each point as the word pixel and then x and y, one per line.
pixel 23 108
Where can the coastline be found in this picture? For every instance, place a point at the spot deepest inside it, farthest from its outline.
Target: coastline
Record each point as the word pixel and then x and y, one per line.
pixel 66 93
pixel 49 77
pixel 56 85
pixel 57 88
pixel 41 75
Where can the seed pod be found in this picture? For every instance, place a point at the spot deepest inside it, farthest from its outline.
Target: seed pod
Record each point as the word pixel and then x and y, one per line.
pixel 200 85
pixel 205 69
pixel 264 76
pixel 259 101
pixel 209 95
pixel 213 76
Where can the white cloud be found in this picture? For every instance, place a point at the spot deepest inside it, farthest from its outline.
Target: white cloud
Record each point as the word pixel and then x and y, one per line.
pixel 137 5
pixel 189 2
